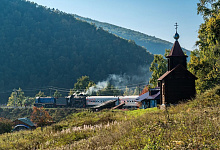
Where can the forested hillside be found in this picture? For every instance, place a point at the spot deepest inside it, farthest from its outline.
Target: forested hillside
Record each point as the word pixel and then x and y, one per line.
pixel 154 45
pixel 41 47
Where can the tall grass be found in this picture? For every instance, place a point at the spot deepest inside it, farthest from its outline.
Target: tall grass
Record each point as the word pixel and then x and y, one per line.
pixel 191 125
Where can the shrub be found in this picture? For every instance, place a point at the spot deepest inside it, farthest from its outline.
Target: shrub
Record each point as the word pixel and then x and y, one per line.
pixel 5 125
pixel 210 98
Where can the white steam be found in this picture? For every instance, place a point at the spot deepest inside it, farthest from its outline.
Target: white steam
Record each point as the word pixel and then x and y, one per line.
pixel 141 77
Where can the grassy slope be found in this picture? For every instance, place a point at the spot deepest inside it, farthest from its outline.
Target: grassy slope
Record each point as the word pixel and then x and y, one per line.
pixel 192 125
pixel 57 114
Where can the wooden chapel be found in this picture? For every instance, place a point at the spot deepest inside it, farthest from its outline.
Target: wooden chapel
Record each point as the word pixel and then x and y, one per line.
pixel 177 84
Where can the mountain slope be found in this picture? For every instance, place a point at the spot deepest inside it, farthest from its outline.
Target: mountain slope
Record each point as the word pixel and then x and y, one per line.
pixel 43 47
pixel 154 45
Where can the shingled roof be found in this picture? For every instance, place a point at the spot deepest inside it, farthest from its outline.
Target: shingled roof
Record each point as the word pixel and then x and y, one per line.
pixel 176 50
pixel 174 69
pixel 27 121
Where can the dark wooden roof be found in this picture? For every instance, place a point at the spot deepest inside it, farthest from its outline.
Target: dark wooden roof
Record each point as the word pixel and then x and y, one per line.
pixel 26 121
pixel 176 51
pixel 178 67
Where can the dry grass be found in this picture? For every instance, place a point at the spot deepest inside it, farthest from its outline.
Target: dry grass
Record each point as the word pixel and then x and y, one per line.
pixel 191 125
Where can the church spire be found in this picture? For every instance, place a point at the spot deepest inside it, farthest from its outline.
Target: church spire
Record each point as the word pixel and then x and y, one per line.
pixel 176 36
pixel 176 55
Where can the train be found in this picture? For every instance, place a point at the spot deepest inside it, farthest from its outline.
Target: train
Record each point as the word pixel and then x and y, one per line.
pixel 83 101
pixel 97 100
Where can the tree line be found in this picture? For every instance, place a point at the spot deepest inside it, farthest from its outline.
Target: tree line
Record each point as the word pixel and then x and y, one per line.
pixel 82 86
pixel 46 47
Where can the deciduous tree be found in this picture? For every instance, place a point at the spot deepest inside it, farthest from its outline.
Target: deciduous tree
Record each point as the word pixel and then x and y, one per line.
pixel 17 98
pixel 40 116
pixel 83 83
pixel 57 94
pixel 205 62
pixel 158 67
pixel 145 90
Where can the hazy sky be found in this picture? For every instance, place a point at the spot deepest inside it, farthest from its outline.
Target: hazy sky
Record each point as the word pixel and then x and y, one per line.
pixel 152 17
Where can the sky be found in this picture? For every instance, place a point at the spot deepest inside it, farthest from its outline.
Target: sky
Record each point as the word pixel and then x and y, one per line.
pixel 152 17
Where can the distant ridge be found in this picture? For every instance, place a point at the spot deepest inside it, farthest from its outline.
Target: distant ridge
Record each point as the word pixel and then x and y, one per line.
pixel 153 44
pixel 43 47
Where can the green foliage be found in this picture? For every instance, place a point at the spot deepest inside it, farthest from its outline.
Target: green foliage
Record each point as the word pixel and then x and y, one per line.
pixel 11 99
pixel 136 91
pixel 20 97
pixel 29 101
pixel 17 98
pixel 191 125
pixel 5 125
pixel 57 94
pixel 57 114
pixel 205 62
pixel 208 8
pixel 83 84
pixel 210 98
pixel 41 47
pixel 158 67
pixel 40 94
pixel 71 92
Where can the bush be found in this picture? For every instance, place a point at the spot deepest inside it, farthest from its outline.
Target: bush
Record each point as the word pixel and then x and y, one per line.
pixel 210 98
pixel 5 125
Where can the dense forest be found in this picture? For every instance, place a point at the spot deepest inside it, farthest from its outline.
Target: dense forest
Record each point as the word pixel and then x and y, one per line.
pixel 154 45
pixel 46 47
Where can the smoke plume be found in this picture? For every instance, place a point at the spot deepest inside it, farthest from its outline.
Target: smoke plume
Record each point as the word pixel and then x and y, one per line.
pixel 141 77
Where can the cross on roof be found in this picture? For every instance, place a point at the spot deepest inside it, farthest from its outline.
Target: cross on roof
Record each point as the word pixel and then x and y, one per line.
pixel 176 26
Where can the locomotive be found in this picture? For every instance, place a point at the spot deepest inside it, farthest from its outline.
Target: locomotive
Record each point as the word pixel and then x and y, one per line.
pixel 76 101
pixel 83 101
